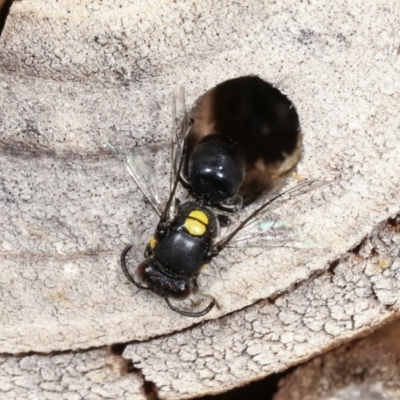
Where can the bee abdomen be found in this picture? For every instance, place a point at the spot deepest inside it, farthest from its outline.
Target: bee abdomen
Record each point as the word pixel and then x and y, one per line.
pixel 215 169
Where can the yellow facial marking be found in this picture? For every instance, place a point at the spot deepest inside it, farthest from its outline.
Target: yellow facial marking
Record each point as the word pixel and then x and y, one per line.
pixel 195 228
pixel 153 243
pixel 200 215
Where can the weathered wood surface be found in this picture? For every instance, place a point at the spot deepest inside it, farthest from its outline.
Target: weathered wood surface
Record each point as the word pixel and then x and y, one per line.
pixel 366 369
pixel 95 374
pixel 69 71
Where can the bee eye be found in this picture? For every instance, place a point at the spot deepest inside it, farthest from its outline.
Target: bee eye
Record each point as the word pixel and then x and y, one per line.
pixel 143 270
pixel 184 293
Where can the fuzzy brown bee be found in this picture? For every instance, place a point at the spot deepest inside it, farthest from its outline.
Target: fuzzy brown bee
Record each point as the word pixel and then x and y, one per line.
pixel 261 121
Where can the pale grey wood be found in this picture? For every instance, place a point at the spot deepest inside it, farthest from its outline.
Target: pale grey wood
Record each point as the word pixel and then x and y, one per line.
pixel 359 292
pixel 69 71
pixel 91 375
pixel 366 369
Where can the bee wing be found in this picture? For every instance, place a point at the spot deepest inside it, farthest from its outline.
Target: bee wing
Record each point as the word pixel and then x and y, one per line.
pixel 180 124
pixel 256 228
pixel 141 173
pixel 272 232
pixel 179 131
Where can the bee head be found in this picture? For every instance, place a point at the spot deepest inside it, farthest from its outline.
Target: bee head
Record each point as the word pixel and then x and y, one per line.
pixel 161 282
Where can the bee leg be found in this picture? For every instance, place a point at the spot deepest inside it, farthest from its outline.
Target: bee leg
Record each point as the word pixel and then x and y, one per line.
pixel 232 205
pixel 189 313
pixel 223 220
pixel 125 269
pixel 195 284
pixel 212 299
pixel 177 202
pixel 184 182
pixel 213 252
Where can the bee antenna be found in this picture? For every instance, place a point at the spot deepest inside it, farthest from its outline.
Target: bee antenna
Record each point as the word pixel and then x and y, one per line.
pixel 189 313
pixel 126 271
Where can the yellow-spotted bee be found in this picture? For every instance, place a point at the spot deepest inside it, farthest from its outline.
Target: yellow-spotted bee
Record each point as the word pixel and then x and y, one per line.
pixel 177 252
pixel 188 235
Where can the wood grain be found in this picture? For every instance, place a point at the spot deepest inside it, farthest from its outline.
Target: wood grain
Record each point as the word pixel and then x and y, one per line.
pixel 71 70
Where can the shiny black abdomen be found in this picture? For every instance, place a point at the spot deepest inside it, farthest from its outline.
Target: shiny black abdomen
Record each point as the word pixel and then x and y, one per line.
pixel 261 120
pixel 215 170
pixel 181 253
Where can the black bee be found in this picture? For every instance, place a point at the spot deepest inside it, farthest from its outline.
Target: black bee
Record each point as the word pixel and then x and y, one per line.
pixel 187 236
pixel 176 254
pixel 215 171
pixel 244 140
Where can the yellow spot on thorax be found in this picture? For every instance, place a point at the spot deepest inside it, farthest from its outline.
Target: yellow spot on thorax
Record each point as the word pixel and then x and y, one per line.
pixel 200 215
pixel 196 223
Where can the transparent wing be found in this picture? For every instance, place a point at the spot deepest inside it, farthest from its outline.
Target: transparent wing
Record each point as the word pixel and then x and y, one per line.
pixel 179 131
pixel 180 123
pixel 273 232
pixel 261 230
pixel 142 174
